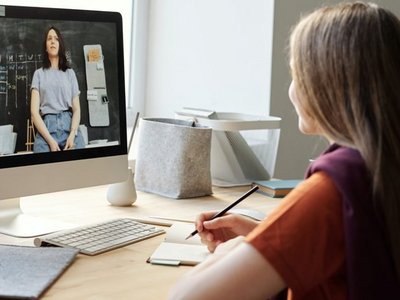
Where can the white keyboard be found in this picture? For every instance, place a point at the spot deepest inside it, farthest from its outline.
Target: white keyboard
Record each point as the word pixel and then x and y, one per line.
pixel 100 237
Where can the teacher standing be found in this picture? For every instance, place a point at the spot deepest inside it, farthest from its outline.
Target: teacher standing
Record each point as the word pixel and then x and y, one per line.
pixel 55 108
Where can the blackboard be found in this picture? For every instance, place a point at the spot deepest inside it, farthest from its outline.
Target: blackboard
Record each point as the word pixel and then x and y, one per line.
pixel 20 55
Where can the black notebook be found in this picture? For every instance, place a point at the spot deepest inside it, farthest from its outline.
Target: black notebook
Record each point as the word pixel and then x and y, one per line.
pixel 26 272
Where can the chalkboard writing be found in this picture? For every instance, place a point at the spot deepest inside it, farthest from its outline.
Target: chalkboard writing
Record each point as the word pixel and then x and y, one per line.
pixel 21 54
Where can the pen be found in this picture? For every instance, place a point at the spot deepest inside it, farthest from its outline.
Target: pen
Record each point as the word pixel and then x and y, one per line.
pixel 222 212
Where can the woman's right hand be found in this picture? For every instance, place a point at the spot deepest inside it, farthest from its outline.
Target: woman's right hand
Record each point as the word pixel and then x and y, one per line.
pixel 53 145
pixel 219 230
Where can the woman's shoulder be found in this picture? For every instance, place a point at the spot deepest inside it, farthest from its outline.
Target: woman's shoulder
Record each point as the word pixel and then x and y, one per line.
pixel 345 166
pixel 38 74
pixel 338 157
pixel 39 71
pixel 70 72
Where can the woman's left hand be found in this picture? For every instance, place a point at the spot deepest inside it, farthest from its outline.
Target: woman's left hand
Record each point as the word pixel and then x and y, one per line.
pixel 70 142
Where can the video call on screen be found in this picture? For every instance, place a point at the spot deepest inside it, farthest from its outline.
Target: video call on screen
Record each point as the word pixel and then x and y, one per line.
pixel 21 54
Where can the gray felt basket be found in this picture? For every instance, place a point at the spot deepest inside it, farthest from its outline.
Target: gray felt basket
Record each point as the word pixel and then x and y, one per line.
pixel 173 158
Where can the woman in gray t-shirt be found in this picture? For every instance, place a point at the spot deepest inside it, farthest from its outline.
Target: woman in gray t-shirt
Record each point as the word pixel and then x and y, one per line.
pixel 55 108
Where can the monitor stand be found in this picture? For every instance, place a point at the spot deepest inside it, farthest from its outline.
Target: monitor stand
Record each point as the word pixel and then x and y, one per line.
pixel 15 223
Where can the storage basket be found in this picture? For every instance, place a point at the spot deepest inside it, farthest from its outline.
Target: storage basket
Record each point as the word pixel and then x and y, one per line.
pixel 173 158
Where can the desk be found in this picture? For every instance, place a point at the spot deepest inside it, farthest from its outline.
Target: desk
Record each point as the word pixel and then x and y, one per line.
pixel 123 273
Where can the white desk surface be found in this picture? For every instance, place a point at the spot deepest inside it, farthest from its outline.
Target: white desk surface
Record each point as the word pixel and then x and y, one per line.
pixel 123 273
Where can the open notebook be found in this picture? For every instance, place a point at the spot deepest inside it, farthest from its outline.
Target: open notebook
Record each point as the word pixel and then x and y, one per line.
pixel 175 250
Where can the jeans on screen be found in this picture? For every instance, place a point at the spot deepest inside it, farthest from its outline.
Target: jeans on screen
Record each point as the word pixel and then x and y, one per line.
pixel 59 126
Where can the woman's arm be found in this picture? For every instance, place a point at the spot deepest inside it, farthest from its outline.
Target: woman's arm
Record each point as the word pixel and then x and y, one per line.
pixel 38 121
pixel 76 118
pixel 235 271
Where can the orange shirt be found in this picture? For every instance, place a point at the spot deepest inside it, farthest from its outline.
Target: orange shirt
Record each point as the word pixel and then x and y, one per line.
pixel 304 240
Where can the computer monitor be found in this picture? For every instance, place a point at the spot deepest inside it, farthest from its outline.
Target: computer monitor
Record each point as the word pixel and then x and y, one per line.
pixel 94 51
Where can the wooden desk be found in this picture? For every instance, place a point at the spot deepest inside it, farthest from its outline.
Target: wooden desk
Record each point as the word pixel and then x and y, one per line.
pixel 123 273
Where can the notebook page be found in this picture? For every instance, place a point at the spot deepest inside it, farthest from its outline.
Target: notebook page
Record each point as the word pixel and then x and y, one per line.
pixel 179 231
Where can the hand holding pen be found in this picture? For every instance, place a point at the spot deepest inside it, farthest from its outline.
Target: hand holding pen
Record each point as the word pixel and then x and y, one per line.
pixel 226 209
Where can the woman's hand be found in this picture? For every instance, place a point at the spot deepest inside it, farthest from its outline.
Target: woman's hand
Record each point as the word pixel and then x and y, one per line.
pixel 219 230
pixel 53 145
pixel 69 144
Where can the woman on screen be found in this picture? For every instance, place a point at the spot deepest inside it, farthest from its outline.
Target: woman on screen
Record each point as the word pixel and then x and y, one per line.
pixel 55 108
pixel 336 235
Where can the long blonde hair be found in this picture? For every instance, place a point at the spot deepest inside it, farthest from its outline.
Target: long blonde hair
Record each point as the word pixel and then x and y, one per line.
pixel 346 67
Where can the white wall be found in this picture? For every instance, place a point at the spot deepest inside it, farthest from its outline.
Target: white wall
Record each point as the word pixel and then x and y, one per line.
pixel 208 54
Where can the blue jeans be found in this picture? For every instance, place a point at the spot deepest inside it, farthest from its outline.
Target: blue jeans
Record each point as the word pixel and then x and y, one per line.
pixel 59 127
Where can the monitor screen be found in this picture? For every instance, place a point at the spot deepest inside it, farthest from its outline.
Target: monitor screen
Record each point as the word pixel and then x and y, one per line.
pixel 62 100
